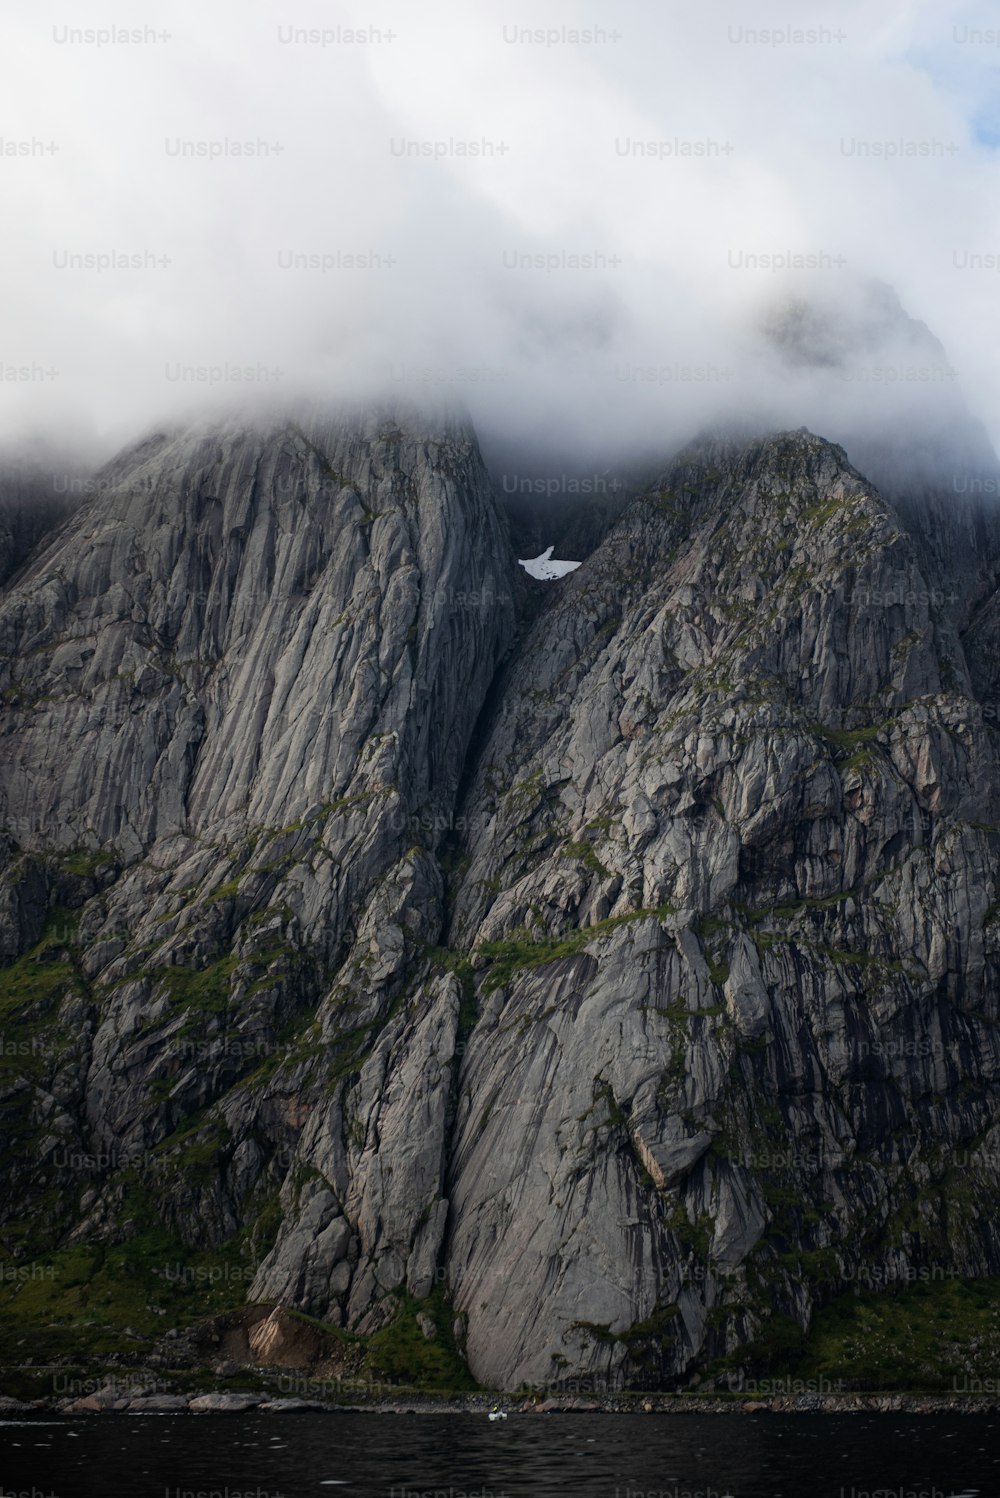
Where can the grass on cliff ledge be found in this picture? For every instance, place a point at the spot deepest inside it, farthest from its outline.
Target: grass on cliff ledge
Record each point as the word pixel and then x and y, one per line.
pixel 522 950
pixel 31 987
pixel 91 1299
pixel 936 1336
pixel 400 1353
pixel 90 1302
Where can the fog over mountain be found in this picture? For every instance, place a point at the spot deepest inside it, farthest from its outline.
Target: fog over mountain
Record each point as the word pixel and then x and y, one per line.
pixel 573 222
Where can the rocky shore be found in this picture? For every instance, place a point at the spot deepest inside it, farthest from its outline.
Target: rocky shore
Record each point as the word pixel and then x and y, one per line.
pixel 114 1399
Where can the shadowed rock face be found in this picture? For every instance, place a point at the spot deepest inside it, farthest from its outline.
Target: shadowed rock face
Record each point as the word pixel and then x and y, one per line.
pixel 632 983
pixel 33 500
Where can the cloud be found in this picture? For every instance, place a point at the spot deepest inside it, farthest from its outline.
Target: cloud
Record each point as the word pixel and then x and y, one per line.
pixel 573 220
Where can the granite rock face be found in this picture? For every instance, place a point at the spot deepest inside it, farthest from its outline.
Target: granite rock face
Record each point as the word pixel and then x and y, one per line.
pixel 238 692
pixel 739 789
pixel 630 981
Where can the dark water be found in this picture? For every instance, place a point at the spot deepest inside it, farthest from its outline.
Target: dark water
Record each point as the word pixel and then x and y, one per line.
pixel 458 1456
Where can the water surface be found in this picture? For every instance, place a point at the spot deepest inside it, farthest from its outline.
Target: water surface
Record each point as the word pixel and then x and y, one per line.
pixel 461 1455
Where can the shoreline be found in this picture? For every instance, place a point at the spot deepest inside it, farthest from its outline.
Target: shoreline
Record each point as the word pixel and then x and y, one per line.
pixel 112 1399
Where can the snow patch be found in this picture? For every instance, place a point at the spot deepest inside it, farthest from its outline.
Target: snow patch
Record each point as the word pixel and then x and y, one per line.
pixel 545 569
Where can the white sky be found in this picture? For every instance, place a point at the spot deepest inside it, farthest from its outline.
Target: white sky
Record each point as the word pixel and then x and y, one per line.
pixel 538 350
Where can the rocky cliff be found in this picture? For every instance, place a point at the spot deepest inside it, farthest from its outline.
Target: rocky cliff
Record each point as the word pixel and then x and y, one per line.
pixel 606 990
pixel 731 883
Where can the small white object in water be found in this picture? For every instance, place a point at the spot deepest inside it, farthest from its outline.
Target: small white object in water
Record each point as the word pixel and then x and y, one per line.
pixel 501 1414
pixel 545 569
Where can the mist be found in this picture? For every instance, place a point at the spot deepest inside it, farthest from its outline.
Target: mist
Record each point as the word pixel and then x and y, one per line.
pixel 599 231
